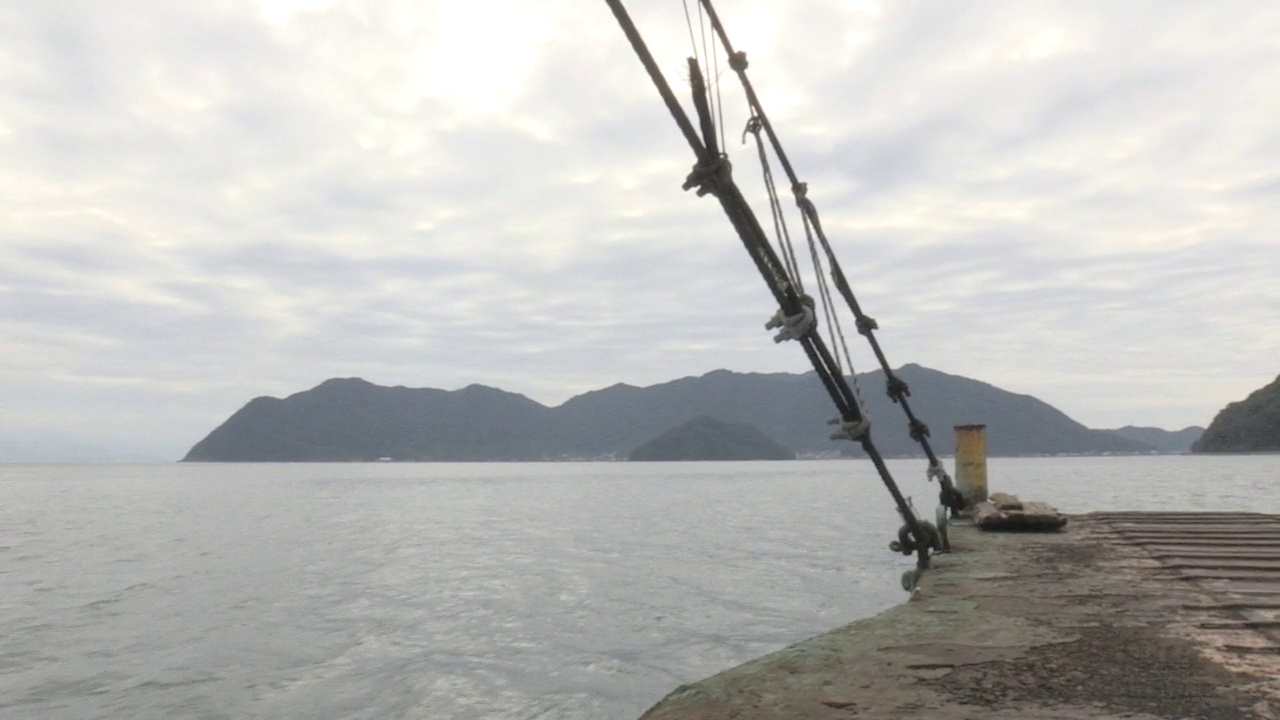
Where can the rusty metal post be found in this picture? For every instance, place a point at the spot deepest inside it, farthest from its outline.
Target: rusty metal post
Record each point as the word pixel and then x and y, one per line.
pixel 971 462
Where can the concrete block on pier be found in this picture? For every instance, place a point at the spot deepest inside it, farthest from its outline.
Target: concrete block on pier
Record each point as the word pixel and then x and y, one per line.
pixel 1005 501
pixel 1006 513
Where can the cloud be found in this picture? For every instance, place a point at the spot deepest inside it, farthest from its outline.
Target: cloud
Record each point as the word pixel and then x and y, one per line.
pixel 207 202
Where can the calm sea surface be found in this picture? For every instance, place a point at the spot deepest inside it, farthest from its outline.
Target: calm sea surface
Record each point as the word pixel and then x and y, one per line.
pixel 468 591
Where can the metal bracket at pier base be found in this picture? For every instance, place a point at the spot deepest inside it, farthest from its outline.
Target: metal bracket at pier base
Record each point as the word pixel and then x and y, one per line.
pixel 911 579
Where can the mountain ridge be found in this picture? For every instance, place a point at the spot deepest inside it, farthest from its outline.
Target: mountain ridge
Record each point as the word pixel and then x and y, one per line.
pixel 1168 441
pixel 351 419
pixel 1249 425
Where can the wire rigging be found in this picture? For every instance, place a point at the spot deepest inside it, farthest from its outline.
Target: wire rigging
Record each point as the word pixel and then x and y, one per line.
pixel 688 21
pixel 896 388
pixel 796 318
pixel 833 316
pixel 715 60
pixel 775 207
pixel 704 55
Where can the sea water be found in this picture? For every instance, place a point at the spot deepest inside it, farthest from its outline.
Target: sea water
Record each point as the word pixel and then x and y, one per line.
pixel 554 590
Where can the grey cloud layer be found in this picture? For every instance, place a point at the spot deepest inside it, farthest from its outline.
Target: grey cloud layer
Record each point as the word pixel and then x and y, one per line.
pixel 204 204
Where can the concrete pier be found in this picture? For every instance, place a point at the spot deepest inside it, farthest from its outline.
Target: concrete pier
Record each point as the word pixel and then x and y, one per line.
pixel 1145 616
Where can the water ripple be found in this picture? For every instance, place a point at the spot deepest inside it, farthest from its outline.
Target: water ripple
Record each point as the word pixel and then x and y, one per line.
pixel 566 591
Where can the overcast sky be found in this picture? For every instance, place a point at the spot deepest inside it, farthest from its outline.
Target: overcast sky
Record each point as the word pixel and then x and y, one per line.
pixel 204 202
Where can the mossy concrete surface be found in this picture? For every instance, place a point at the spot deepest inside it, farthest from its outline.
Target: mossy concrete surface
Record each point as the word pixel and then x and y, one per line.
pixel 1078 624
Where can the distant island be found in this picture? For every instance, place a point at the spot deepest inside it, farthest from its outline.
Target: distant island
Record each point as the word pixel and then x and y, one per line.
pixel 1165 441
pixel 705 438
pixel 1250 425
pixel 352 420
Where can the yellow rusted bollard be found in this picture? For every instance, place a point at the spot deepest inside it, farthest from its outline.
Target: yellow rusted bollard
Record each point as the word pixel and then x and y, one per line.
pixel 971 462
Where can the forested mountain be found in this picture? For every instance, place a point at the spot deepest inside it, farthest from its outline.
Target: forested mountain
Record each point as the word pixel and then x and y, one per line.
pixel 705 438
pixel 354 420
pixel 1251 425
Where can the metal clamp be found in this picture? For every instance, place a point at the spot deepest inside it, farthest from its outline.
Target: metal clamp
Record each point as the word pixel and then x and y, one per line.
pixel 936 472
pixel 853 430
pixel 793 327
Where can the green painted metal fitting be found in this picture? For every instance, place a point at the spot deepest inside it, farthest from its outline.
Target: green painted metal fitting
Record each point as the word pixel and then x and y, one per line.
pixel 911 579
